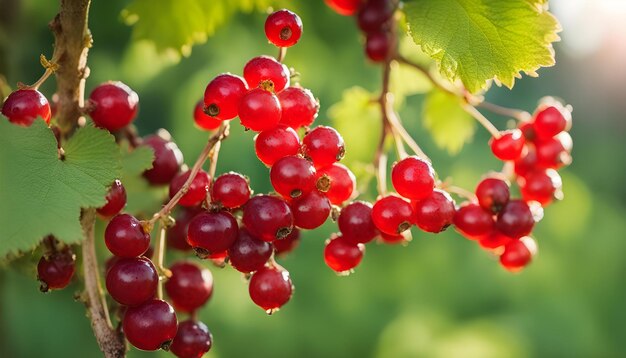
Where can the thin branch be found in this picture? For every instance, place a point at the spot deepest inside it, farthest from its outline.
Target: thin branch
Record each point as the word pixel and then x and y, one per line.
pixel 463 193
pixel 282 52
pixel 403 60
pixel 517 114
pixel 214 155
pixel 482 120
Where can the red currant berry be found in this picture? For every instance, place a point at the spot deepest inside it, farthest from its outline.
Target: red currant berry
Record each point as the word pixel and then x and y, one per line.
pixel 344 7
pixel 231 190
pixel 276 143
pixel 528 132
pixel 248 254
pixel 403 238
pixel 132 281
pixel 197 190
pixel 190 286
pixel 267 217
pixel 288 244
pixel 494 240
pixel 550 121
pixel 342 255
pixel 435 213
pixel 515 219
pixel 518 254
pixel 374 15
pixel 324 146
pixel 378 45
pixel 509 146
pixel 203 120
pixel 341 183
pixel 299 107
pixel 115 105
pixel 219 259
pixel 473 221
pixel 292 176
pixel 126 237
pixel 222 96
pixel 541 186
pixel 259 110
pixel 211 233
pixel 270 288
pixel 150 326
pixel 493 194
pixel 554 152
pixel 167 160
pixel 23 107
pixel 115 200
pixel 55 271
pixel 177 234
pixel 283 28
pixel 392 215
pixel 413 178
pixel 356 224
pixel 310 210
pixel 192 340
pixel 267 72
pixel 528 162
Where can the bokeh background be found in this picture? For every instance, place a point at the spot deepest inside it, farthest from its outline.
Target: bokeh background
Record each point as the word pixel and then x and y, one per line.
pixel 441 296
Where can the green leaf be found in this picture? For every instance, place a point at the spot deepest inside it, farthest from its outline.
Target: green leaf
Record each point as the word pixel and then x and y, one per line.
pixel 447 121
pixel 142 198
pixel 42 194
pixel 480 40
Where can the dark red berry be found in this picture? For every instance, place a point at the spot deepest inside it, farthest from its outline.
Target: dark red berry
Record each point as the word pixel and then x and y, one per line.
pixel 413 178
pixel 515 219
pixel 299 107
pixel 115 200
pixel 231 190
pixel 177 234
pixel 344 7
pixel 292 176
pixel 259 110
pixel 337 182
pixel 23 107
pixel 518 254
pixel 356 224
pixel 288 244
pixel 495 240
pixel 55 270
pixel 554 152
pixel 114 104
pixel 248 254
pixel 197 190
pixel 267 217
pixel 324 146
pixel 379 45
pixel 342 255
pixel 473 221
pixel 151 325
pixel 392 214
pixel 132 281
pixel 270 288
pixel 528 162
pixel 192 340
pixel 310 210
pixel 374 15
pixel 528 131
pixel 550 121
pixel 276 143
pixel 435 213
pixel 541 186
pixel 190 286
pixel 492 194
pixel 167 160
pixel 509 146
pixel 283 28
pixel 212 232
pixel 126 237
pixel 222 96
pixel 203 120
pixel 267 72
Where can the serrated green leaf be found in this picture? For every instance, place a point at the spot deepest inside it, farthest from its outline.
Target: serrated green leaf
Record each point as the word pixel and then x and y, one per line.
pixel 142 199
pixel 480 40
pixel 42 194
pixel 136 161
pixel 447 121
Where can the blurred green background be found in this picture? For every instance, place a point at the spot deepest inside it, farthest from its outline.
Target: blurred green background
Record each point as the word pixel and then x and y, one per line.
pixel 439 296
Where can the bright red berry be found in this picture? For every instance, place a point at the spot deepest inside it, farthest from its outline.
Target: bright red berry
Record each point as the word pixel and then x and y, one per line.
pixel 515 219
pixel 392 214
pixel 337 182
pixel 177 234
pixel 212 232
pixel 413 178
pixel 550 121
pixel 299 107
pixel 197 190
pixel 265 71
pixel 192 340
pixel 167 160
pixel 132 281
pixel 267 217
pixel 270 288
pixel 126 237
pixel 231 190
pixel 378 45
pixel 324 146
pixel 374 15
pixel 292 176
pixel 554 152
pixel 55 270
pixel 115 105
pixel 190 286
pixel 222 96
pixel 435 213
pixel 495 240
pixel 492 194
pixel 473 221
pixel 276 143
pixel 288 244
pixel 203 120
pixel 342 255
pixel 542 186
pixel 518 254
pixel 344 7
pixel 310 210
pixel 259 110
pixel 247 253
pixel 356 224
pixel 509 146
pixel 23 107
pixel 150 326
pixel 283 28
pixel 115 200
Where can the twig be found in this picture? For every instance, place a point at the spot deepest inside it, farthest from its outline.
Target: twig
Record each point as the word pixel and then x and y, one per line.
pixel 282 52
pixel 464 193
pixel 214 155
pixel 517 114
pixel 482 120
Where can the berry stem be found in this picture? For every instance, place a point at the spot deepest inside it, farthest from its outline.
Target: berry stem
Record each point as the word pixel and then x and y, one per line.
pixel 214 155
pixel 164 273
pixel 482 120
pixel 463 193
pixel 517 114
pixel 282 52
pixel 50 66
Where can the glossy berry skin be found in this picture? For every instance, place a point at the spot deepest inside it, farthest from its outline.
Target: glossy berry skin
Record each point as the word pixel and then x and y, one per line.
pixel 509 146
pixel 435 213
pixel 203 120
pixel 193 339
pixel 373 15
pixel 190 286
pixel 342 255
pixel 299 107
pixel 248 254
pixel 267 217
pixel 550 121
pixel 324 146
pixel 23 107
pixel 125 237
pixel 541 186
pixel 492 194
pixel 344 7
pixel 150 326
pixel 516 255
pixel 392 215
pixel 413 178
pixel 283 28
pixel 115 200
pixel 494 240
pixel 56 270
pixel 288 244
pixel 292 176
pixel 310 210
pixel 177 234
pixel 270 288
pixel 276 143
pixel 378 45
pixel 356 224
pixel 259 110
pixel 515 219
pixel 197 190
pixel 528 162
pixel 231 190
pixel 473 221
pixel 114 104
pixel 132 281
pixel 266 68
pixel 554 152
pixel 341 183
pixel 212 232
pixel 222 96
pixel 167 160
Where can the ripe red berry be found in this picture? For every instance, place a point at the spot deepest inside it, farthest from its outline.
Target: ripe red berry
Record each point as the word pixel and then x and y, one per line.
pixel 473 221
pixel 283 28
pixel 515 219
pixel 288 244
pixel 247 253
pixel 528 162
pixel 550 121
pixel 392 214
pixel 344 7
pixel 270 288
pixel 342 255
pixel 403 238
pixel 299 107
pixel 518 254
pixel 197 190
pixel 132 281
pixel 231 190
pixel 310 210
pixel 222 96
pixel 23 107
pixel 509 146
pixel 374 15
pixel 267 72
pixel 356 224
pixel 527 131
pixel 324 146
pixel 435 213
pixel 378 45
pixel 554 152
pixel 151 325
pixel 55 270
pixel 190 286
pixel 292 176
pixel 276 143
pixel 492 194
pixel 177 234
pixel 267 217
pixel 341 183
pixel 203 120
pixel 114 104
pixel 211 233
pixel 115 200
pixel 495 240
pixel 167 160
pixel 259 110
pixel 413 178
pixel 541 186
pixel 126 237
pixel 192 340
